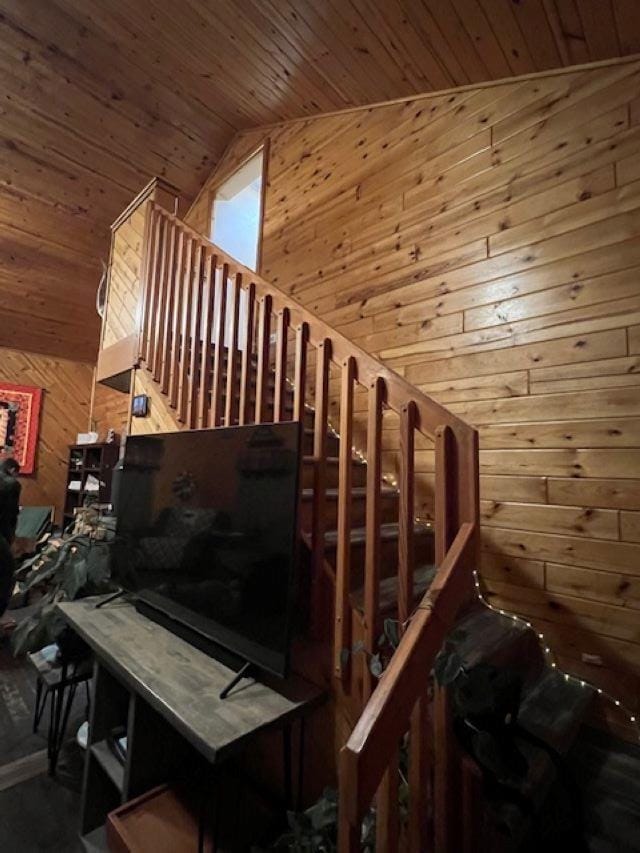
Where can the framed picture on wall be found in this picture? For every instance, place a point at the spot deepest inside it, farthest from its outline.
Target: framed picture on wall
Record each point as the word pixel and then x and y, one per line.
pixel 19 424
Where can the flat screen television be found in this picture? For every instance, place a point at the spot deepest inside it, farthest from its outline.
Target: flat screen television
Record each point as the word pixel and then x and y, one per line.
pixel 206 536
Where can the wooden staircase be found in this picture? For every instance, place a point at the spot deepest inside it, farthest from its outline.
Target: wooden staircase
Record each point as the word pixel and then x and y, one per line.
pixel 225 347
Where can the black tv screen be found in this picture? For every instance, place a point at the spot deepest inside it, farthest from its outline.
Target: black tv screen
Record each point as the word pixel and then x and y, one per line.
pixel 206 534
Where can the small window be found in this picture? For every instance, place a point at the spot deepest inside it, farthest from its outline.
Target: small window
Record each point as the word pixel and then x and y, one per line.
pixel 236 217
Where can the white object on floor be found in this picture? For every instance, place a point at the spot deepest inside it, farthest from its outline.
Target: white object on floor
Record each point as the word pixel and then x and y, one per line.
pixel 74 486
pixel 49 653
pixel 82 737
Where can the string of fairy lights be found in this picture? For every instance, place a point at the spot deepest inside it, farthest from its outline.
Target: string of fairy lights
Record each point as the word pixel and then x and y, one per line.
pixel 391 480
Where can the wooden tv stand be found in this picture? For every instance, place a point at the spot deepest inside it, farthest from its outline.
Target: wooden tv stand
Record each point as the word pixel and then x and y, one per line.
pixel 165 693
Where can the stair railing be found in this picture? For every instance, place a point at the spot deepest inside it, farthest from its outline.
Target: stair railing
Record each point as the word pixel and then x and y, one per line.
pixel 191 320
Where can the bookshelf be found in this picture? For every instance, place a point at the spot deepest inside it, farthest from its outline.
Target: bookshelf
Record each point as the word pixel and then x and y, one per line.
pixel 88 461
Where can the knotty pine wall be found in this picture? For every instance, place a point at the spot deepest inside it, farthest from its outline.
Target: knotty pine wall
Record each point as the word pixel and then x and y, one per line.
pixel 121 317
pixel 109 410
pixel 64 413
pixel 484 243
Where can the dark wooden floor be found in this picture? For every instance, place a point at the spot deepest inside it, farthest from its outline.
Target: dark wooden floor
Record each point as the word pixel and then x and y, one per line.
pixel 40 814
pixel 17 698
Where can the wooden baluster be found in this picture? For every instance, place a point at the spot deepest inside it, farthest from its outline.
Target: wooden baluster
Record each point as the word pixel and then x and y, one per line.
pixel 178 309
pixel 466 494
pixel 318 524
pixel 446 772
pixel 247 357
pixel 196 336
pixel 151 300
pixel 300 373
pixel 406 512
pixel 300 383
pixel 279 394
pixel 264 342
pixel 388 812
pixel 420 776
pixel 156 295
pixel 146 276
pixel 218 353
pixel 373 512
pixel 185 326
pixel 165 360
pixel 446 516
pixel 163 298
pixel 342 632
pixel 232 352
pixel 208 306
pixel 348 834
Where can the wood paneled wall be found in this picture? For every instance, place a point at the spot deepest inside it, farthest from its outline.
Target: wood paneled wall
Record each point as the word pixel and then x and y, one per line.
pixel 99 97
pixel 121 317
pixel 65 412
pixel 485 244
pixel 109 410
pixel 161 418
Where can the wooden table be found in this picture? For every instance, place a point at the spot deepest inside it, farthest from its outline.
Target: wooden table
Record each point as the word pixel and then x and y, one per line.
pixel 165 694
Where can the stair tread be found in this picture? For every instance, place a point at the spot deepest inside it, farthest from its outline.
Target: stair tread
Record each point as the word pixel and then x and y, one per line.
pixel 331 460
pixel 390 530
pixel 356 491
pixel 422 578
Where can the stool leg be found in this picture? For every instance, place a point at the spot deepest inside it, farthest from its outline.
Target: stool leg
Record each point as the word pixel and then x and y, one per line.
pixel 300 766
pixel 37 714
pixel 287 770
pixel 65 718
pixel 53 728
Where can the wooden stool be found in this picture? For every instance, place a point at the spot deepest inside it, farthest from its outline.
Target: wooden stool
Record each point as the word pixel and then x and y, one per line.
pixel 58 682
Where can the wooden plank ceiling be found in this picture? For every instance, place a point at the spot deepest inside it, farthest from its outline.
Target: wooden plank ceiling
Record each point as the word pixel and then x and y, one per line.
pixel 97 96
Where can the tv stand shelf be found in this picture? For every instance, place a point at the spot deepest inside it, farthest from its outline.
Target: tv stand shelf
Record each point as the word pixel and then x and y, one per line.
pixel 165 694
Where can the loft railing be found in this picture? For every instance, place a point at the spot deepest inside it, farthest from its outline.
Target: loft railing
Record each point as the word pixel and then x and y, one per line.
pixel 206 337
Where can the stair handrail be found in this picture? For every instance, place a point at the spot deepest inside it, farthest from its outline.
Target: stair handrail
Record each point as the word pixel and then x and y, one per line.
pixel 431 414
pixel 387 715
pixel 373 744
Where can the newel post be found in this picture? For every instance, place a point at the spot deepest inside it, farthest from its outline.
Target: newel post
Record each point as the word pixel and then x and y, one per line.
pixel 164 196
pixel 457 501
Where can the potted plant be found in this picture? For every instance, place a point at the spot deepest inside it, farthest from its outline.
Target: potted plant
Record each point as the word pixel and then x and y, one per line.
pixel 75 565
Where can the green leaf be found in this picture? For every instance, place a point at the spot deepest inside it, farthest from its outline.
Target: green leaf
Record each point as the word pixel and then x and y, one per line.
pixel 43 573
pixel 43 628
pixel 98 567
pixel 75 577
pixel 392 632
pixel 29 563
pixel 20 639
pixel 375 665
pixel 447 666
pixel 458 635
